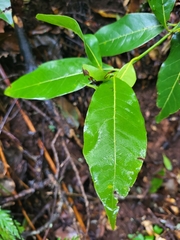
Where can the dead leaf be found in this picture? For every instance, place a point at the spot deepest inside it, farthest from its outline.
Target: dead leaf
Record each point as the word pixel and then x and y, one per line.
pixel 177 233
pixel 7 186
pixel 148 226
pixel 70 112
pixel 175 209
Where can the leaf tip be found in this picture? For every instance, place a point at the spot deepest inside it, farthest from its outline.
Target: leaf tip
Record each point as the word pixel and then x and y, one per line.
pixel 112 215
pixel 7 91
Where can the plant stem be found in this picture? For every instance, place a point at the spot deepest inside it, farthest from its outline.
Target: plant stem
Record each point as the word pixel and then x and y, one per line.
pixel 134 60
pixel 91 86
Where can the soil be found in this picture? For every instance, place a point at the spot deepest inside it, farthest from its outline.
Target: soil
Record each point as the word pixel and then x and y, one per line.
pixel 55 200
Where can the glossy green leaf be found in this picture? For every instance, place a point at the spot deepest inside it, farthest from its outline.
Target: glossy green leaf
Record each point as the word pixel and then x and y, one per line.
pixel 168 84
pixel 51 79
pixel 96 73
pixel 127 74
pixel 92 50
pixel 128 33
pixel 114 142
pixel 90 41
pixel 162 9
pixel 6 12
pixel 63 21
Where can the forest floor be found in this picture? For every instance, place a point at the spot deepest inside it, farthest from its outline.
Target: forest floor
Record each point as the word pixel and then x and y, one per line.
pixel 55 203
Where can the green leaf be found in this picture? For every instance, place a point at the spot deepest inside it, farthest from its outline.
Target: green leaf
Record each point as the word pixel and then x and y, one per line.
pixel 134 237
pixel 90 41
pixel 127 74
pixel 92 50
pixel 6 12
pixel 149 238
pixel 138 237
pixel 63 21
pixel 51 79
pixel 168 84
pixel 156 183
pixel 96 73
pixel 161 172
pixel 114 141
pixel 131 31
pixel 157 229
pixel 167 163
pixel 162 9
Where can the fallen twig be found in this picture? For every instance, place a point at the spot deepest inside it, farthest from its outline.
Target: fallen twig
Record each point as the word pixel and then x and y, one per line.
pixel 56 159
pixel 26 192
pixel 7 114
pixel 80 184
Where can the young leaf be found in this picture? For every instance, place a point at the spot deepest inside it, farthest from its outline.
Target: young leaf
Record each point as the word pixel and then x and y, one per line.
pixel 157 229
pixel 6 12
pixel 167 163
pixel 92 50
pixel 114 142
pixel 127 74
pixel 168 84
pixel 128 33
pixel 51 79
pixel 136 237
pixel 63 21
pixel 162 9
pixel 156 183
pixel 96 73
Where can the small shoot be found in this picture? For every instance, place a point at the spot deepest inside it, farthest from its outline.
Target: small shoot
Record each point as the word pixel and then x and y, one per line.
pixel 167 163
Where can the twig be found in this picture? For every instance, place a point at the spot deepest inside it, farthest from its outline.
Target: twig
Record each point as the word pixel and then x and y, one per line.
pixel 10 76
pixel 47 118
pixel 28 219
pixel 56 192
pixel 41 212
pixel 26 192
pixel 19 202
pixel 53 218
pixel 80 195
pixel 80 184
pixel 47 156
pixel 7 114
pixel 63 167
pixel 3 159
pixel 56 159
pixel 74 209
pixel 11 136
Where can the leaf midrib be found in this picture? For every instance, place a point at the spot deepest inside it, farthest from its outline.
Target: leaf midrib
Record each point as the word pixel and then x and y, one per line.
pixel 94 56
pixel 114 131
pixel 171 92
pixel 125 35
pixel 48 81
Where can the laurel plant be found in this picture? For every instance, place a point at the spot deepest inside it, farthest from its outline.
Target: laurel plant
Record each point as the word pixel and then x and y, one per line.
pixel 114 132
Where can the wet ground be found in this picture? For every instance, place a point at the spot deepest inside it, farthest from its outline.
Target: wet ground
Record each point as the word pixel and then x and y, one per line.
pixel 55 141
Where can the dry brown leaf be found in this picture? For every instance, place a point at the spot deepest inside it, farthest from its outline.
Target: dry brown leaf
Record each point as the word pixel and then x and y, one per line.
pixel 148 226
pixel 175 209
